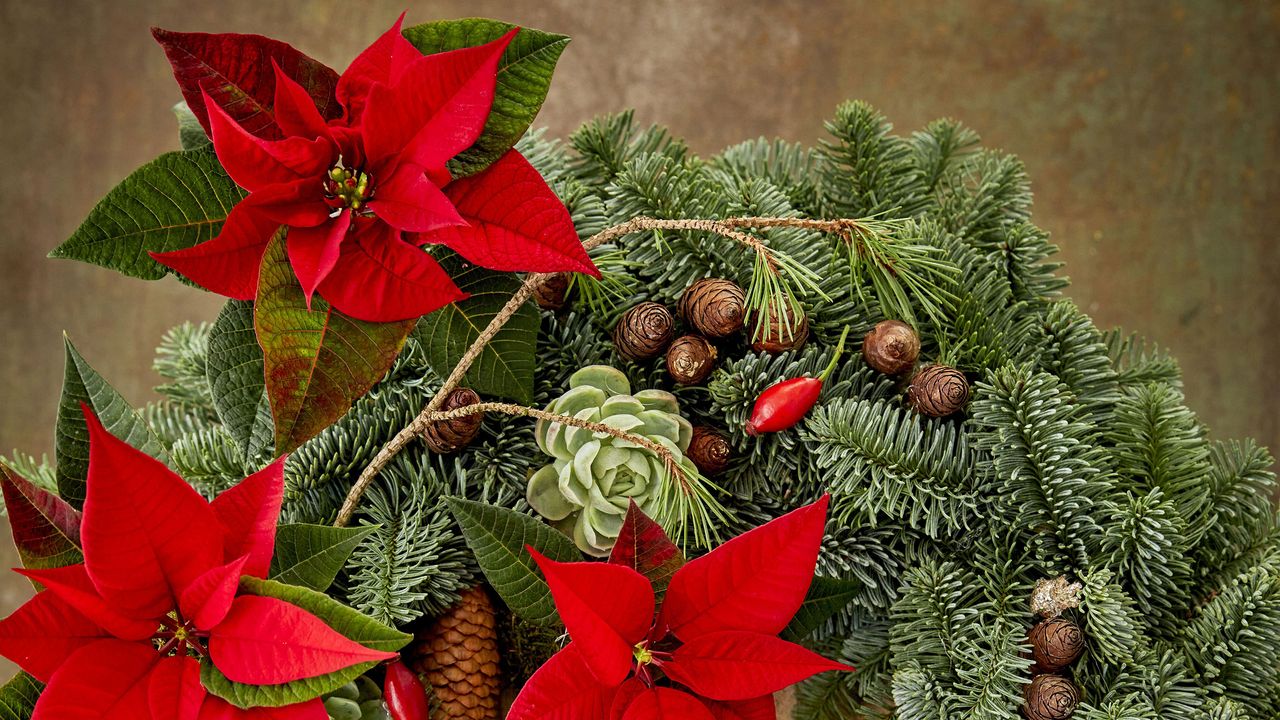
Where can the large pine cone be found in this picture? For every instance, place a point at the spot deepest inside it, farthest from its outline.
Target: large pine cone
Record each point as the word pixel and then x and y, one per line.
pixel 1050 697
pixel 457 655
pixel 1056 643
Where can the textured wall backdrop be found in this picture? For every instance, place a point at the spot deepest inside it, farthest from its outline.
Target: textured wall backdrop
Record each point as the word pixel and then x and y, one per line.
pixel 1151 131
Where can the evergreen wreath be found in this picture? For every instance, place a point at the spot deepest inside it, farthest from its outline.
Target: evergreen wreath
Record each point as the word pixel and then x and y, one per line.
pixel 826 410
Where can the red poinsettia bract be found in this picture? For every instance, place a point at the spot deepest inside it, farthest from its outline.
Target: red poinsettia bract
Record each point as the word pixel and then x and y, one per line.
pixel 711 654
pixel 361 193
pixel 118 636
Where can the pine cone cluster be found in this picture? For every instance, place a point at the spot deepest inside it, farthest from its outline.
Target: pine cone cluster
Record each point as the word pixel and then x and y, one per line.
pixel 1056 643
pixel 457 656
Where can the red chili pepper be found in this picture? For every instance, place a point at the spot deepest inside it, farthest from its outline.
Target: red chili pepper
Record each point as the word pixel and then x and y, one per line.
pixel 403 692
pixel 784 404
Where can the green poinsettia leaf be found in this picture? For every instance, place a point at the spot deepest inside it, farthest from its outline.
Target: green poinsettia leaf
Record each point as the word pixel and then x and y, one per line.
pixel 18 697
pixel 312 555
pixel 317 361
pixel 827 596
pixel 190 133
pixel 524 75
pixel 82 384
pixel 346 621
pixel 505 366
pixel 173 202
pixel 235 369
pixel 498 537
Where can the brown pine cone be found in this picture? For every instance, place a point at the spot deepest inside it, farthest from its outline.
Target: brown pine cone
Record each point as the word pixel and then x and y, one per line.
pixel 457 655
pixel 448 436
pixel 644 331
pixel 938 391
pixel 690 359
pixel 1056 643
pixel 716 308
pixel 891 347
pixel 778 336
pixel 1050 697
pixel 550 293
pixel 709 450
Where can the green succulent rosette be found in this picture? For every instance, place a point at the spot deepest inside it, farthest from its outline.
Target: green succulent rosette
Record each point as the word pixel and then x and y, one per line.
pixel 586 490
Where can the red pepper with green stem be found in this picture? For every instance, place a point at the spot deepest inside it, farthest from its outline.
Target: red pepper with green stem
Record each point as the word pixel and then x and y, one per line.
pixel 784 404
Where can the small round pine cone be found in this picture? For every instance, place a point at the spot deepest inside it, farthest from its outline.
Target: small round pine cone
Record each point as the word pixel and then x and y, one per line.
pixel 644 331
pixel 449 436
pixel 714 307
pixel 550 293
pixel 891 347
pixel 1056 643
pixel 457 654
pixel 709 450
pixel 780 334
pixel 1050 697
pixel 938 391
pixel 690 359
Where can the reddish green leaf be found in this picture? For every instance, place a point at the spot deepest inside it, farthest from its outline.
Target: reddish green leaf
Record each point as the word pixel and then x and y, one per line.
pixel 45 528
pixel 644 547
pixel 318 361
pixel 236 70
pixel 739 665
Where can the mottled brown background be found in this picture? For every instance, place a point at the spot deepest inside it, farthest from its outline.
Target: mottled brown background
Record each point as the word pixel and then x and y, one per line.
pixel 1151 131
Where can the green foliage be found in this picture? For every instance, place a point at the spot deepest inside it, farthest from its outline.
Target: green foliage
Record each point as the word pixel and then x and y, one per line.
pixel 1076 456
pixel 413 561
pixel 827 597
pixel 1047 469
pixel 524 76
pixel 498 538
pixel 18 697
pixel 190 133
pixel 312 555
pixel 173 202
pixel 1234 643
pixel 235 371
pixel 82 386
pixel 505 366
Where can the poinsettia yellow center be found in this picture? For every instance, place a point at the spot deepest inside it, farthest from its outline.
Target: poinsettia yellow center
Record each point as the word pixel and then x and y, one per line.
pixel 642 654
pixel 347 187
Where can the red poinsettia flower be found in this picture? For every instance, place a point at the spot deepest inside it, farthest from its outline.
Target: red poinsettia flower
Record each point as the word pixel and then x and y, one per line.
pixel 118 636
pixel 356 190
pixel 711 654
